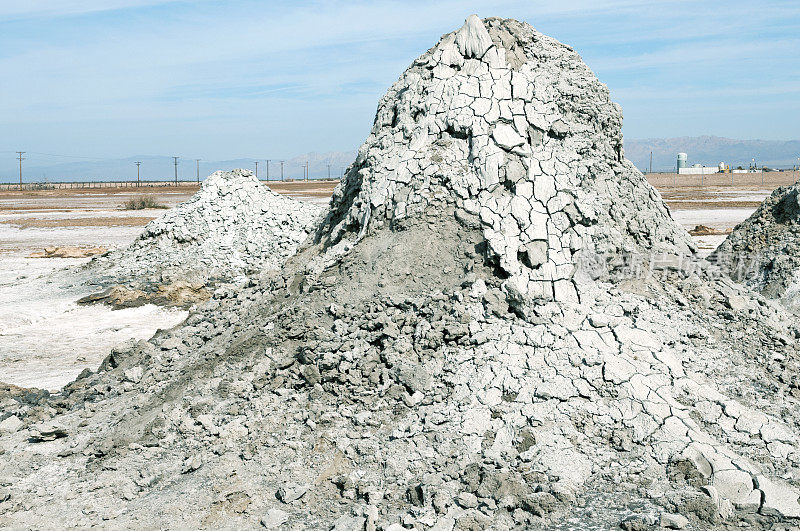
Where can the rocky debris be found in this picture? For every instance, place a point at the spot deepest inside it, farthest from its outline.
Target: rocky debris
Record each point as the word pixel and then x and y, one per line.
pixel 497 325
pixel 47 432
pixel 179 293
pixel 291 492
pixel 763 251
pixel 192 463
pixel 68 252
pixel 636 523
pixel 233 226
pixel 702 230
pixel 10 424
pixel 467 500
pixel 673 521
pixel 274 519
pixel 14 398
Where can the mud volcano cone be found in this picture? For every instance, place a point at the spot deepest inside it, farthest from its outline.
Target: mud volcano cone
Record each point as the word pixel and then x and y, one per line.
pixel 763 251
pixel 511 130
pixel 232 226
pixel 439 356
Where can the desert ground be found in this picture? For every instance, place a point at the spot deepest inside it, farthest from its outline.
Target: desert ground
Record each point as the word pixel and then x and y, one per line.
pixel 46 339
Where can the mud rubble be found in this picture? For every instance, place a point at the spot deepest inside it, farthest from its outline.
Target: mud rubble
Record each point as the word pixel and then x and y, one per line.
pixel 763 251
pixel 232 227
pixel 497 325
pixel 67 252
pixel 702 230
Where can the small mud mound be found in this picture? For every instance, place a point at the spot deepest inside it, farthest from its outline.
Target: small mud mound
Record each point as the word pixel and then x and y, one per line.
pixel 702 230
pixel 763 251
pixel 498 325
pixel 233 226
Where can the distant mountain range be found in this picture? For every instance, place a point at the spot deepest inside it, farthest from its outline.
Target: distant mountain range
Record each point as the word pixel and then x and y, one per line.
pixel 706 150
pixel 710 151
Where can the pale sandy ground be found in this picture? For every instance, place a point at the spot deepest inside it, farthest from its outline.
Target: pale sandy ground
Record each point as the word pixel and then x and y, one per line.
pixel 46 339
pixel 717 218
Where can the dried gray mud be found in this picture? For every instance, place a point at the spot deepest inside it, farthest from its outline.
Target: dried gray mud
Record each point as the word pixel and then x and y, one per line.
pixel 233 226
pixel 497 325
pixel 763 252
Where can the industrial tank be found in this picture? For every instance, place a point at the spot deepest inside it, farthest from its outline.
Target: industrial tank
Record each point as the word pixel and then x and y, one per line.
pixel 682 158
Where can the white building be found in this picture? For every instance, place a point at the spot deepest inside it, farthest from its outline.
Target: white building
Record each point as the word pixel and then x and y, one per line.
pixel 698 169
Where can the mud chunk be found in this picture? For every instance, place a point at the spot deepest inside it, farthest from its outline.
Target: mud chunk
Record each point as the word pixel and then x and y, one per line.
pixel 291 491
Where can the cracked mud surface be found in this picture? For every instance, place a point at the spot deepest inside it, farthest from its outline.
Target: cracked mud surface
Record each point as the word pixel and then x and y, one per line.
pixel 497 325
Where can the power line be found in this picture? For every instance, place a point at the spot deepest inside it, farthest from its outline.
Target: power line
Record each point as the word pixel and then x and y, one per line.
pixel 21 158
pixel 175 160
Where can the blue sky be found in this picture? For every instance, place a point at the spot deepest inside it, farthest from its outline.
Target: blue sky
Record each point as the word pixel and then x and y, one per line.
pixel 212 79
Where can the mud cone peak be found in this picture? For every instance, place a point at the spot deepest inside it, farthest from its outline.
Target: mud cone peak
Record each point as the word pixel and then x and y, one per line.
pixel 513 131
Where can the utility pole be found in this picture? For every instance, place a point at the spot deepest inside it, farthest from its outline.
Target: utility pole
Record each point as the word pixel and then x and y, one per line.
pixel 175 160
pixel 21 158
pixel 268 169
pixel 198 170
pixel 281 170
pixel 329 172
pixel 138 163
pixel 306 170
pixel 651 162
pixel 256 169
